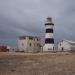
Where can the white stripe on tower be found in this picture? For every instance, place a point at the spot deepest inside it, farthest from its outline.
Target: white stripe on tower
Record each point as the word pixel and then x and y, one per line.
pixel 49 35
pixel 48 26
pixel 49 38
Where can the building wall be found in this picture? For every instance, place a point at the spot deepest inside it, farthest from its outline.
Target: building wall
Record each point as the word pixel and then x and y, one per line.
pixel 48 47
pixel 64 46
pixel 35 45
pixel 29 44
pixel 22 44
pixel 73 47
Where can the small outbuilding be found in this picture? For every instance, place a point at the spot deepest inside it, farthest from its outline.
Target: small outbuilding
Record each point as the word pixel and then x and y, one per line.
pixel 66 45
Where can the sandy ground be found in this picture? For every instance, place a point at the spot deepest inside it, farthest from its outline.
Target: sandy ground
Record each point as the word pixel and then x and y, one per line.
pixel 37 64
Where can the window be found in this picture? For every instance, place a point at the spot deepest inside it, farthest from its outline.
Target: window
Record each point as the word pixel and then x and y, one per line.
pixel 62 41
pixel 34 39
pixel 22 44
pixel 37 44
pixel 37 39
pixel 30 44
pixel 62 48
pixel 34 44
pixel 53 48
pixel 60 44
pixel 30 38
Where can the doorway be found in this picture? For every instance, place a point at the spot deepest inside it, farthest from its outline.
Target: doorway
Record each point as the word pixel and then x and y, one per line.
pixel 62 48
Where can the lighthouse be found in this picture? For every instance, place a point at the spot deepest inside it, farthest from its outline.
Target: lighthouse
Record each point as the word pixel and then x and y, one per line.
pixel 49 37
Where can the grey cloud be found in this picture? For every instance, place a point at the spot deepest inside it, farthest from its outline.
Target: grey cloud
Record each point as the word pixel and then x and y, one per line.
pixel 20 17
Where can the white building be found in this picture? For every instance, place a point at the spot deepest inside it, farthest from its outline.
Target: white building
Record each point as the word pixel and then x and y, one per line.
pixel 49 37
pixel 29 44
pixel 9 48
pixel 66 45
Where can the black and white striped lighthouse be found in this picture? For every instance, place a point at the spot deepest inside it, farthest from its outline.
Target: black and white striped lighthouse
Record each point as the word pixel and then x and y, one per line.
pixel 49 37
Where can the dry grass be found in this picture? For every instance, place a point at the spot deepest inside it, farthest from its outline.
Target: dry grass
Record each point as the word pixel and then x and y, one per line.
pixel 37 64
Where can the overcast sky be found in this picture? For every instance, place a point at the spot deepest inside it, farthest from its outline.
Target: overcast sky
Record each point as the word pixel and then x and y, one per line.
pixel 27 17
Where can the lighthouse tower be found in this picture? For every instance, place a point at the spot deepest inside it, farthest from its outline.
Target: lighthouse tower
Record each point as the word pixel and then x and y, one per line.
pixel 49 38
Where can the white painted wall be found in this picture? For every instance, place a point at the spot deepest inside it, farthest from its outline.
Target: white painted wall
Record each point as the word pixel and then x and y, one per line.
pixel 66 46
pixel 49 35
pixel 24 45
pixel 49 26
pixel 73 47
pixel 48 47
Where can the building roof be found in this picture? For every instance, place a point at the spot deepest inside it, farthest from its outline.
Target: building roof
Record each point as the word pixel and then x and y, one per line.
pixel 29 36
pixel 49 21
pixel 70 42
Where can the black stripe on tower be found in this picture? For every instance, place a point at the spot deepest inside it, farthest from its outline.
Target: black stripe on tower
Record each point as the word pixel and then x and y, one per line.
pixel 49 30
pixel 49 24
pixel 49 41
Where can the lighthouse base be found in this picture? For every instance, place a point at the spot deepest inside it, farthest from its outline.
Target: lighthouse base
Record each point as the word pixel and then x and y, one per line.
pixel 48 47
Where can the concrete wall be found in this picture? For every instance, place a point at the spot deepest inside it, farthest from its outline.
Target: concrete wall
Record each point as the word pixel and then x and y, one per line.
pixel 73 47
pixel 29 45
pixel 64 46
pixel 48 47
pixel 22 44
